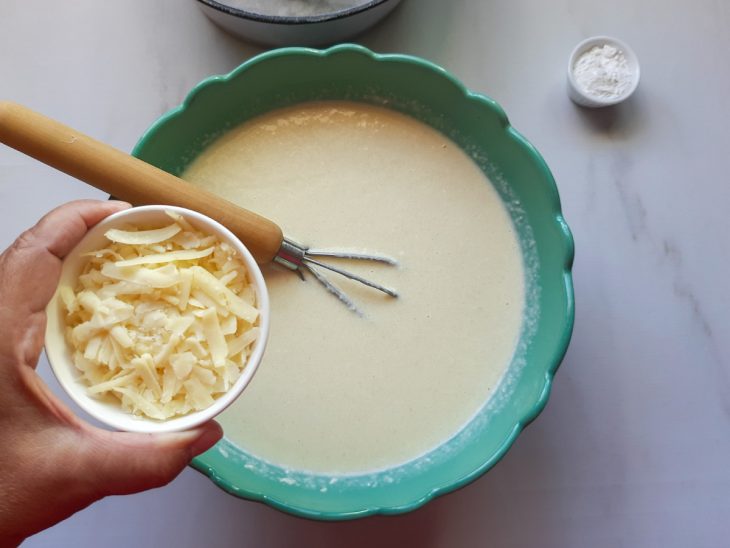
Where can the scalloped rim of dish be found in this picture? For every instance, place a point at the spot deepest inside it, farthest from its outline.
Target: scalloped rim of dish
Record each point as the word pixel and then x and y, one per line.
pixel 287 20
pixel 561 346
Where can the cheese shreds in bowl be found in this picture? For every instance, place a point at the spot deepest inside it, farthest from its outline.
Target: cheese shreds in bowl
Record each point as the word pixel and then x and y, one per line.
pixel 163 319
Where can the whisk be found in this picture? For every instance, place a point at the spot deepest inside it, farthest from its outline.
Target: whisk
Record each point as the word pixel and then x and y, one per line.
pixel 140 183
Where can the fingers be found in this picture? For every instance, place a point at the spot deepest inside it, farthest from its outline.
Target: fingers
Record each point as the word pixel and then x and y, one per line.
pixel 29 269
pixel 61 229
pixel 29 272
pixel 121 463
pixel 58 470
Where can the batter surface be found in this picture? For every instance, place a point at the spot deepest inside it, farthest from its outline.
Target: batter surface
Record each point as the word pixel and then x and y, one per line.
pixel 339 393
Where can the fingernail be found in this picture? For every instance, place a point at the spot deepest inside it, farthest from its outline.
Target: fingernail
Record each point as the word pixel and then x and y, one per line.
pixel 124 205
pixel 208 438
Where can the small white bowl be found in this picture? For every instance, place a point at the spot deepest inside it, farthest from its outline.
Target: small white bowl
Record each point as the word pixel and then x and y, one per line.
pixel 579 95
pixel 59 350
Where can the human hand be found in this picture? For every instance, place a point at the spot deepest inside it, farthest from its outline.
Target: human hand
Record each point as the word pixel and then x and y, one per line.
pixel 52 463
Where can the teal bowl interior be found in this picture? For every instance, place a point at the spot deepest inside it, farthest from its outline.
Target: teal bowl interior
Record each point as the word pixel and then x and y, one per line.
pixel 427 92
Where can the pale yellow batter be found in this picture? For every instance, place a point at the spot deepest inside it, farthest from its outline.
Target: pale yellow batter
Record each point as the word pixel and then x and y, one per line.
pixel 336 392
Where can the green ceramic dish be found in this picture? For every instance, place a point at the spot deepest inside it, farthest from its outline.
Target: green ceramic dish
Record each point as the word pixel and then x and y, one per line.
pixel 427 92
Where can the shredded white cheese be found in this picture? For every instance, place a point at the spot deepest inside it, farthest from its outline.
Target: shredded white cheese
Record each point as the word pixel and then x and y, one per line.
pixel 163 319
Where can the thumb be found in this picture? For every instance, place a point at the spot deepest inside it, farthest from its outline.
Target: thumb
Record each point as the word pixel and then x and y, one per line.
pixel 120 463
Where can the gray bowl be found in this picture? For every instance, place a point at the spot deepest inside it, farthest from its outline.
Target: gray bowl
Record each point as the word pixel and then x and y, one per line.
pixel 311 30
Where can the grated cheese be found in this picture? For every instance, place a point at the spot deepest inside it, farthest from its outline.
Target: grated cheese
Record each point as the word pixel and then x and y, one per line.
pixel 163 319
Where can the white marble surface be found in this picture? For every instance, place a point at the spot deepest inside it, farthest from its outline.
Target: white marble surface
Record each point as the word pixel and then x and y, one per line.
pixel 633 448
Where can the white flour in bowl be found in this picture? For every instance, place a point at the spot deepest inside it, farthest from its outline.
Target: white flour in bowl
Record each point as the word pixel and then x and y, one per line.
pixel 603 72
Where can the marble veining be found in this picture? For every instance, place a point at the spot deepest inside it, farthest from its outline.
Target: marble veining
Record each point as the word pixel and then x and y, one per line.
pixel 633 447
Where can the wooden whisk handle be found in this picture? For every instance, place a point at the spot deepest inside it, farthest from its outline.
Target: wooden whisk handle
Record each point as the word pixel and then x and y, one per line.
pixel 128 178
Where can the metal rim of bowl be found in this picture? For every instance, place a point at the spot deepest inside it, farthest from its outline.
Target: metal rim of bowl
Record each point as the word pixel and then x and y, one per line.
pixel 287 20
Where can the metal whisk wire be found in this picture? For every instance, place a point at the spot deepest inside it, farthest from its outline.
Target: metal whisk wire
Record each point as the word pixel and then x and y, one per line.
pixel 296 257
